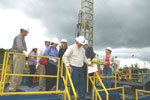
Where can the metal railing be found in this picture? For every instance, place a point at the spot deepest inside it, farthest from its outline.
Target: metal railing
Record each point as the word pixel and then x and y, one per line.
pixel 99 79
pixel 65 80
pixel 137 92
pixel 96 76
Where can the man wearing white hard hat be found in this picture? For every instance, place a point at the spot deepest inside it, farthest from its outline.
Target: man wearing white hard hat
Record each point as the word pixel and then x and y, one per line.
pixel 108 59
pixel 19 46
pixel 40 66
pixel 51 67
pixel 74 59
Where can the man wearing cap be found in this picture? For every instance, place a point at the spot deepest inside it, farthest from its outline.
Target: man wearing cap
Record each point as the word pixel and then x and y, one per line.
pixel 19 46
pixel 51 67
pixel 74 58
pixel 42 67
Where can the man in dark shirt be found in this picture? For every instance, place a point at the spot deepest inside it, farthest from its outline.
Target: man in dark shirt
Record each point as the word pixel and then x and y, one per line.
pixel 90 55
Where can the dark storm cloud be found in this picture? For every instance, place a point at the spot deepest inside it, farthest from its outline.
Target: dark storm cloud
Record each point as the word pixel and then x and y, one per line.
pixel 118 23
pixel 122 23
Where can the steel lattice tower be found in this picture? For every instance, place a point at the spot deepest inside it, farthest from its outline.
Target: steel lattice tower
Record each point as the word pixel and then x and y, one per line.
pixel 86 20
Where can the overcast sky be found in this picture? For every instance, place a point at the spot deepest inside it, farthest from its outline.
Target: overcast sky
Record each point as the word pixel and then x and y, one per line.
pixel 122 24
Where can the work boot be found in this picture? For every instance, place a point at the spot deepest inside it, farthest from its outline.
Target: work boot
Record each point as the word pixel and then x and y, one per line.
pixel 19 90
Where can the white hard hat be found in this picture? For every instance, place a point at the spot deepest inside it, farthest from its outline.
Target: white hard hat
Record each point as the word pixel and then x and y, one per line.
pixel 26 29
pixel 47 39
pixel 63 40
pixel 81 40
pixel 86 42
pixel 55 40
pixel 109 48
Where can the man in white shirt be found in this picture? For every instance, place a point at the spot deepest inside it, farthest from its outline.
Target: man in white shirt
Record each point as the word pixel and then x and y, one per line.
pixel 74 58
pixel 42 67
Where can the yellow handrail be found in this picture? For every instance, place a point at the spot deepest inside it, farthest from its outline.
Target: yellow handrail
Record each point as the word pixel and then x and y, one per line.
pixel 71 83
pixel 4 74
pixel 138 90
pixel 115 89
pixel 66 81
pixel 95 89
pixel 107 94
pixel 103 62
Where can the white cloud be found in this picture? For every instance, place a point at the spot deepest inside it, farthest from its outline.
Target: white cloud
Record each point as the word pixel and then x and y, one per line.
pixel 11 21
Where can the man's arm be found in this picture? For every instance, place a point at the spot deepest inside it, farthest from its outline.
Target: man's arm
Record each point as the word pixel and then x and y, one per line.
pixel 66 56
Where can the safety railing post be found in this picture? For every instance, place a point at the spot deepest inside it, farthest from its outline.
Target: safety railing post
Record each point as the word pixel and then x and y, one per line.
pixel 58 69
pixel 123 96
pixel 115 75
pixel 136 94
pixel 87 80
pixel 2 73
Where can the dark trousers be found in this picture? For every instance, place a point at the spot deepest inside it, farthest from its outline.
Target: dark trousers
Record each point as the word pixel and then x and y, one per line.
pixel 85 77
pixel 78 80
pixel 32 71
pixel 50 70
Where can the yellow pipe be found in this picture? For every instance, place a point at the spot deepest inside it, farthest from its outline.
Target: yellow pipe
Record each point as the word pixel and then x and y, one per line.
pixel 68 74
pixel 123 96
pixel 36 92
pixel 58 74
pixel 105 76
pixel 107 95
pixel 5 73
pixel 136 94
pixel 2 74
pixel 87 80
pixel 115 89
pixel 65 88
pixel 62 68
pixel 115 75
pixel 32 75
pixel 33 55
pixel 110 89
pixel 73 89
pixel 95 89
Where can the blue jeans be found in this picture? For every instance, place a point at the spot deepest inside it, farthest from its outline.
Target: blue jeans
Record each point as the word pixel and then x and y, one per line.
pixel 78 80
pixel 107 81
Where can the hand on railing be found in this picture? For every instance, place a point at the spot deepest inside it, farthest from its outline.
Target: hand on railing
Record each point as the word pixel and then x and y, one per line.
pixel 54 60
pixel 26 53
pixel 70 68
pixel 91 65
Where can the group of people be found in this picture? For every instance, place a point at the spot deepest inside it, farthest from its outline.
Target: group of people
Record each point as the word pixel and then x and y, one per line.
pixel 75 57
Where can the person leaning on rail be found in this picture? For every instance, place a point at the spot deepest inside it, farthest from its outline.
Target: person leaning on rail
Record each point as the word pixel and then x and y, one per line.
pixel 19 46
pixel 74 59
pixel 51 67
pixel 40 66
